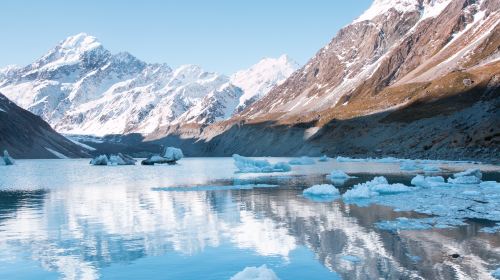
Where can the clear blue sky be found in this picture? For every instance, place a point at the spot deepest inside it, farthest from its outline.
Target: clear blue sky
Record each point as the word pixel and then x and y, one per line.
pixel 219 35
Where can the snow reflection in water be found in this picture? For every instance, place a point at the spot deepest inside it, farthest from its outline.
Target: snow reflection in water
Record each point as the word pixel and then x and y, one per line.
pixel 90 222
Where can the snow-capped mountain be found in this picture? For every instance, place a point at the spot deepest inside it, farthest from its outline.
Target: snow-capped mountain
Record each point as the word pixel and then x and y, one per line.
pixel 408 78
pixel 79 87
pixel 394 43
pixel 259 79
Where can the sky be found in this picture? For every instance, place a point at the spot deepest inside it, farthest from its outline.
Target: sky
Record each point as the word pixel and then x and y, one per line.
pixel 220 35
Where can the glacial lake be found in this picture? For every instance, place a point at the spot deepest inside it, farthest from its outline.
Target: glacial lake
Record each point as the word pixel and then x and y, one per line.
pixel 65 219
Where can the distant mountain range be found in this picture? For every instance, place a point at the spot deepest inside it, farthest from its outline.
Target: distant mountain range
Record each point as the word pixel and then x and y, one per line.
pixel 408 78
pixel 80 87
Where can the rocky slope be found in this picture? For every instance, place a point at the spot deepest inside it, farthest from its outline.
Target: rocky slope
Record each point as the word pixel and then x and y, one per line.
pixel 26 135
pixel 409 78
pixel 79 87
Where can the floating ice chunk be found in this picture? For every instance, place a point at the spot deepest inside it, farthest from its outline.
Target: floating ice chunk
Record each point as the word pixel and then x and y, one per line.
pixel 173 154
pixel 431 168
pixel 302 161
pixel 255 273
pixel 466 180
pixel 428 181
pixel 7 159
pixel 119 159
pixel 496 273
pixel 322 190
pixel 489 184
pixel 324 158
pixel 352 259
pixel 410 166
pixel 348 159
pixel 100 160
pixel 469 172
pixel 339 174
pixel 375 187
pixel 248 165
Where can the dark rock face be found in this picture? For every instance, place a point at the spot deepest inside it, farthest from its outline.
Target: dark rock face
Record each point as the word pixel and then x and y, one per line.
pixel 26 135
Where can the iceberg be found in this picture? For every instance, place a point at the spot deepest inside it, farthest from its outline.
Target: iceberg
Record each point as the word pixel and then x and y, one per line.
pixel 170 155
pixel 428 181
pixel 248 165
pixel 7 159
pixel 377 186
pixel 465 180
pixel 302 161
pixel 469 176
pixel 338 174
pixel 322 190
pixel 324 158
pixel 469 172
pixel 118 159
pixel 255 273
pixel 410 166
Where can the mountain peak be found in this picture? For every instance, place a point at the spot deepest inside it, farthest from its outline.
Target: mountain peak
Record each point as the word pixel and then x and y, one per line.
pixel 81 42
pixel 427 8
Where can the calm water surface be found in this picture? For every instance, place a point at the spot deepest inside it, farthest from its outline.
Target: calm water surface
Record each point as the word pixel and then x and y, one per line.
pixel 66 219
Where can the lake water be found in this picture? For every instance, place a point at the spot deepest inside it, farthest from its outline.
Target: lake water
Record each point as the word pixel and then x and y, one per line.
pixel 67 219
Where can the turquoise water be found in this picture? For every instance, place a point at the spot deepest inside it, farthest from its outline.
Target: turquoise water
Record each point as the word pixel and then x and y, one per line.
pixel 67 219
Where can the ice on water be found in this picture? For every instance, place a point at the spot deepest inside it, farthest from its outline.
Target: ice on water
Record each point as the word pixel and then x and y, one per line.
pixel 451 203
pixel 249 165
pixel 302 161
pixel 376 187
pixel 321 190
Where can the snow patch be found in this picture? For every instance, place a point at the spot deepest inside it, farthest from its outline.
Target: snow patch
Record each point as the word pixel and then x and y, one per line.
pixel 56 153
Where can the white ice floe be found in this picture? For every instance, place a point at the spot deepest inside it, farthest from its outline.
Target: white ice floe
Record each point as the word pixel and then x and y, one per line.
pixel 324 158
pixel 469 176
pixel 450 204
pixel 469 172
pixel 170 155
pixel 322 190
pixel 255 273
pixel 410 166
pixel 429 181
pixel 248 165
pixel 118 159
pixel 338 174
pixel 377 186
pixel 302 161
